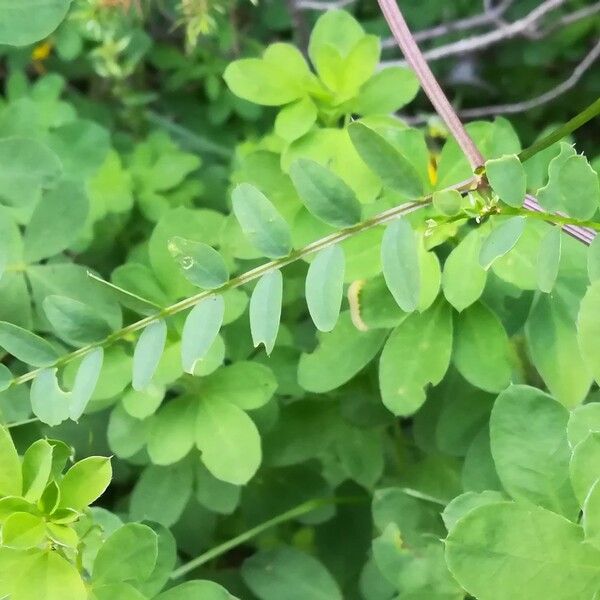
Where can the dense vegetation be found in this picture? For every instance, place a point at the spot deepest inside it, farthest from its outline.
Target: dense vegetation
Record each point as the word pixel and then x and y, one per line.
pixel 267 331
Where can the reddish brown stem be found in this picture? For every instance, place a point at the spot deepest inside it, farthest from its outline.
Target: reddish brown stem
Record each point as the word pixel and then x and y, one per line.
pixel 414 57
pixel 432 88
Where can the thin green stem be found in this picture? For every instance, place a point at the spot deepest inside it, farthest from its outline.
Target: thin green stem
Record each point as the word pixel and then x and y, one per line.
pixel 293 513
pixel 325 242
pixel 553 218
pixel 575 123
pixel 189 138
pixel 23 422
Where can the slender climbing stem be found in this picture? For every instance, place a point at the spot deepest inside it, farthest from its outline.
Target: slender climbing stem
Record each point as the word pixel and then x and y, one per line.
pixel 553 218
pixel 416 60
pixel 293 513
pixel 575 123
pixel 329 240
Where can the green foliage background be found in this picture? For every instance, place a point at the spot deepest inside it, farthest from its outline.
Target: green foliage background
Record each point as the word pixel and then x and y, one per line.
pixel 408 414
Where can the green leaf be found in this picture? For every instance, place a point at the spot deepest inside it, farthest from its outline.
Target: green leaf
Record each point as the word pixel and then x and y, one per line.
pixel 326 368
pixel 548 260
pixel 196 590
pixel 265 310
pixel 403 374
pixel 246 384
pixel 147 354
pixel 261 223
pixel 400 260
pixel 382 158
pixel 26 346
pixel 11 481
pixel 325 194
pixel 465 503
pixel 200 264
pixel 74 321
pixel 128 298
pixel 161 493
pixel 201 328
pixel 29 166
pixel 122 591
pixel 49 576
pixel 588 329
pixel 336 27
pixel 280 77
pixel 463 279
pixel 325 287
pixel 214 494
pixel 294 120
pixel 129 554
pixel 386 92
pixel 6 378
pixel 200 225
pixel 447 202
pixel 126 435
pixel 593 261
pixel 228 440
pixel 583 420
pixel 23 530
pixel 573 186
pixel 145 403
pixel 507 178
pixel 506 550
pixel 171 435
pixel 288 573
pixel 361 455
pixel 481 349
pixel 591 516
pixel 583 467
pixel 86 380
pixel 528 432
pixel 85 482
pixel 57 221
pixel 49 403
pixel 37 466
pixel 501 240
pixel 28 21
pixel 553 346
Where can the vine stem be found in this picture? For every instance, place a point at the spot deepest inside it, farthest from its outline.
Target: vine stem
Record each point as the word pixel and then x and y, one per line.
pixel 293 513
pixel 587 114
pixel 432 88
pixel 583 231
pixel 414 57
pixel 329 240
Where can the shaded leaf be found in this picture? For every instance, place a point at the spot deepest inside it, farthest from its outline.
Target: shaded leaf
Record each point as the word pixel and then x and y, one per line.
pixel 507 178
pixel 26 346
pixel 325 194
pixel 403 374
pixel 549 259
pixel 147 354
pixel 400 260
pixel 261 223
pixel 86 380
pixel 287 572
pixel 228 440
pixel 501 240
pixel 200 264
pixel 325 287
pixel 265 310
pixel 74 321
pixel 201 328
pixel 528 433
pixel 506 550
pixel 381 157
